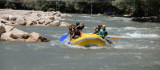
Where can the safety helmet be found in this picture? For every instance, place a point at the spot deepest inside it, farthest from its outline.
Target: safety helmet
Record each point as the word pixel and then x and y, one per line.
pixel 77 23
pixel 69 25
pixel 99 25
pixel 104 25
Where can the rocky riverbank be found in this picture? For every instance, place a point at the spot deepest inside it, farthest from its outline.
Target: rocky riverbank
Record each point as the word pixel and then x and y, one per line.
pixel 147 19
pixel 32 18
pixel 10 33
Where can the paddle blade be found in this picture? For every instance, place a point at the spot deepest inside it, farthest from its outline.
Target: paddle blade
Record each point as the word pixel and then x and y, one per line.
pixel 63 37
pixel 114 38
pixel 69 43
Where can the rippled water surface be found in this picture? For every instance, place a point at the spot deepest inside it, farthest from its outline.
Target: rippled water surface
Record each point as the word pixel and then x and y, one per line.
pixel 137 49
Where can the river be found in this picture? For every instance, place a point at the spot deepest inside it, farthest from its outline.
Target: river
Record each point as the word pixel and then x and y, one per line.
pixel 137 49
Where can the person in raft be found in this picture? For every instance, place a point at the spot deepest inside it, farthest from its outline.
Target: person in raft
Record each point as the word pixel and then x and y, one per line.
pixel 71 31
pixel 97 29
pixel 76 31
pixel 79 27
pixel 103 32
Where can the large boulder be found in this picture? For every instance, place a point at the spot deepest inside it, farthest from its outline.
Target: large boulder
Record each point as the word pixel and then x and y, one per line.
pixel 12 18
pixel 2 30
pixel 21 21
pixel 8 28
pixel 57 18
pixel 4 21
pixel 48 21
pixel 64 24
pixel 9 17
pixel 31 22
pixel 19 34
pixel 5 17
pixel 54 23
pixel 6 37
pixel 66 15
pixel 35 37
pixel 41 21
pixel 58 14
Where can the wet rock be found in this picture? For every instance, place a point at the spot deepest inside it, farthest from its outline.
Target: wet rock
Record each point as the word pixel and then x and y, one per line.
pixel 66 15
pixel 58 14
pixel 21 21
pixel 32 18
pixel 57 18
pixel 8 28
pixel 54 23
pixel 6 37
pixel 2 30
pixel 3 21
pixel 41 21
pixel 33 22
pixel 147 19
pixel 47 21
pixel 64 24
pixel 9 33
pixel 9 17
pixel 12 18
pixel 5 17
pixel 18 34
pixel 35 37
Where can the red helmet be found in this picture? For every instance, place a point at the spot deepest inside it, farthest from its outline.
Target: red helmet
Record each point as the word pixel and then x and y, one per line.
pixel 99 25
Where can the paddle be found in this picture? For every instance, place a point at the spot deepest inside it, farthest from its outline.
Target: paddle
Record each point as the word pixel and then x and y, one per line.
pixel 108 41
pixel 63 37
pixel 113 38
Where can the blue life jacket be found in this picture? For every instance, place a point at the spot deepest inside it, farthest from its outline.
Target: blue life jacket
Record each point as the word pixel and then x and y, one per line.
pixel 102 32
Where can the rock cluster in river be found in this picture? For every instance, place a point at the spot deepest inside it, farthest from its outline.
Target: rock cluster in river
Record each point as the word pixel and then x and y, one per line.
pixel 147 19
pixel 32 18
pixel 10 33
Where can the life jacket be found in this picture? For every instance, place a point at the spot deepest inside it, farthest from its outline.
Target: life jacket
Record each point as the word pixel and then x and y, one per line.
pixel 97 30
pixel 77 32
pixel 103 32
pixel 71 31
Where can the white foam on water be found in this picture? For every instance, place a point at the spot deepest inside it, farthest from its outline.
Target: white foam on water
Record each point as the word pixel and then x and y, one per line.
pixel 120 18
pixel 114 18
pixel 53 43
pixel 62 19
pixel 86 16
pixel 110 28
pixel 139 57
pixel 82 47
pixel 126 28
pixel 126 19
pixel 37 46
pixel 132 46
pixel 139 35
pixel 134 28
pixel 130 28
pixel 57 35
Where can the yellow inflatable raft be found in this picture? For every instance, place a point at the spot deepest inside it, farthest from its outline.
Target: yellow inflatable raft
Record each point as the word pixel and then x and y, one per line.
pixel 89 40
